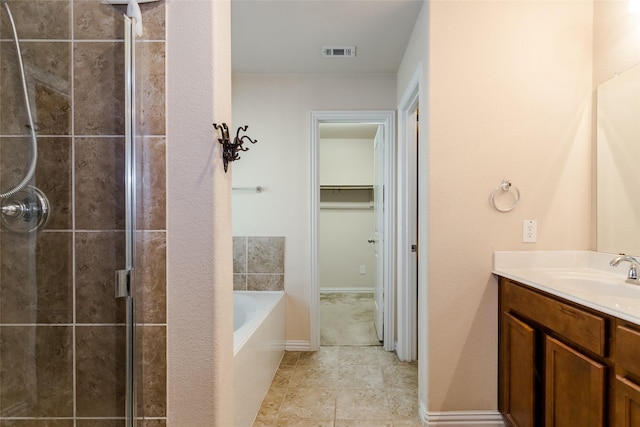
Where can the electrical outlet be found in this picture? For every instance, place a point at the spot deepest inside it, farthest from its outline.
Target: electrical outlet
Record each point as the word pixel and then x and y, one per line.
pixel 529 230
pixel 363 270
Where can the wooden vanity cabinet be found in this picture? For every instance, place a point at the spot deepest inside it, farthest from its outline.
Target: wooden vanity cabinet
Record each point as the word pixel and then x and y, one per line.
pixel 518 372
pixel 553 365
pixel 627 379
pixel 575 387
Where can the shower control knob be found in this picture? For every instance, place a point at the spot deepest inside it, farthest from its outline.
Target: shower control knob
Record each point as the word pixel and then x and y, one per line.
pixel 25 211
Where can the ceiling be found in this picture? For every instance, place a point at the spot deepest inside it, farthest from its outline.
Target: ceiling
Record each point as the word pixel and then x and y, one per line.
pixel 287 36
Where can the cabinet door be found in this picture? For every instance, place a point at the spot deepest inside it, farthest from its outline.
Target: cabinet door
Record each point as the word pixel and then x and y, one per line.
pixel 517 372
pixel 627 400
pixel 574 388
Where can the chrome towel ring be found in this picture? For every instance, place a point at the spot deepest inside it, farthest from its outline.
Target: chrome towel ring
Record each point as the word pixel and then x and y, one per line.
pixel 505 187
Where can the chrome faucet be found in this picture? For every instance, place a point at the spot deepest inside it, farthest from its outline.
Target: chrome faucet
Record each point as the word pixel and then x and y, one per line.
pixel 632 275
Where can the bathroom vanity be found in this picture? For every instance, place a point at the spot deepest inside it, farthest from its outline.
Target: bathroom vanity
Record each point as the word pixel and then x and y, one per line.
pixel 569 343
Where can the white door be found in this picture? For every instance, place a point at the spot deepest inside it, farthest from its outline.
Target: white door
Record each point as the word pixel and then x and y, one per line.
pixel 378 239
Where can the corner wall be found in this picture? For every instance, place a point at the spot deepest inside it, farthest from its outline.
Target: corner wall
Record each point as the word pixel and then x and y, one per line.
pixel 506 95
pixel 199 242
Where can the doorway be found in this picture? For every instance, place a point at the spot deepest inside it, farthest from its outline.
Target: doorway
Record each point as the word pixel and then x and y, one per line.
pixel 409 245
pixel 357 207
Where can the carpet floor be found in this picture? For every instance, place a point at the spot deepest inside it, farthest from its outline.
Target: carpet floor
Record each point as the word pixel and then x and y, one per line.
pixel 347 319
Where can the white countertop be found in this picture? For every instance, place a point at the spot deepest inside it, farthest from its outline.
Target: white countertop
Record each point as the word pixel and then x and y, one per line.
pixel 583 277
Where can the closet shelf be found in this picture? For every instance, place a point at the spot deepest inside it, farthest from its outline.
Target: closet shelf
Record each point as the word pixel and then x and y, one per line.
pixel 354 206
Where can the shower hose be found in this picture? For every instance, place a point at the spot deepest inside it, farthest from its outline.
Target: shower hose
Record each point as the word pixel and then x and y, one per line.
pixel 34 139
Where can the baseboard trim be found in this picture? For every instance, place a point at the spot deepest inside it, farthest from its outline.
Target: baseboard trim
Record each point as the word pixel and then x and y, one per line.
pixel 461 418
pixel 336 290
pixel 297 345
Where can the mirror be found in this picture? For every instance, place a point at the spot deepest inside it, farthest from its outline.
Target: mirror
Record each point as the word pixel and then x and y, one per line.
pixel 618 163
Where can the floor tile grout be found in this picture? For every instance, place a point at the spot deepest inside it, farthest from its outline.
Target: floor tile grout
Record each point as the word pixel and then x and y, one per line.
pixel 343 386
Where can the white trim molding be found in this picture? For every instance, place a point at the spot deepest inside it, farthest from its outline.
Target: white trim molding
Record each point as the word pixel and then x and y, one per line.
pixel 386 118
pixel 406 233
pixel 461 418
pixel 297 345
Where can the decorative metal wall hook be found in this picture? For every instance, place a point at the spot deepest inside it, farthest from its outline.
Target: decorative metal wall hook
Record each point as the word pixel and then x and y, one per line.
pixel 230 149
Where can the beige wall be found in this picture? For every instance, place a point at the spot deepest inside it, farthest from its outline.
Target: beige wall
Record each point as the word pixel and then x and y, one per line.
pixel 199 243
pixel 507 96
pixel 616 36
pixel 277 109
pixel 347 218
pixel 346 161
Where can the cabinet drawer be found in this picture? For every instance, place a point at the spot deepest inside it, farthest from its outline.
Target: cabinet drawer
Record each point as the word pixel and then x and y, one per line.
pixel 583 328
pixel 628 349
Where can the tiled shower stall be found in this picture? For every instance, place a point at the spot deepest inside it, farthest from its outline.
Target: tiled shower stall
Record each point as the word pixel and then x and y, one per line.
pixel 62 332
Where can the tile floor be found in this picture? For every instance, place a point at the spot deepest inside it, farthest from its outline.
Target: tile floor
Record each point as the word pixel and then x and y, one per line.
pixel 347 319
pixel 342 387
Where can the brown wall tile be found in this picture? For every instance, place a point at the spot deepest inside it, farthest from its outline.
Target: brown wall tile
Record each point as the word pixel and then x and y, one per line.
pixel 265 282
pixel 100 423
pixel 151 183
pixel 34 361
pixel 239 281
pixel 151 89
pixel 38 19
pixel 154 20
pixel 98 256
pixel 239 254
pixel 53 177
pixel 152 377
pixel 36 423
pixel 99 180
pixel 41 289
pixel 150 279
pixel 153 423
pixel 99 88
pixel 265 255
pixel 100 371
pixel 97 21
pixel 47 67
pixel 43 295
pixel 15 156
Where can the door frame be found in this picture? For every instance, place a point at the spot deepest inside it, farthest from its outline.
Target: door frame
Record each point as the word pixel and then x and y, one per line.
pixel 408 175
pixel 386 118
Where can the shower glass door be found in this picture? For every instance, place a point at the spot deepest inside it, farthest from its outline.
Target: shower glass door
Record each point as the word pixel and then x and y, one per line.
pixel 65 230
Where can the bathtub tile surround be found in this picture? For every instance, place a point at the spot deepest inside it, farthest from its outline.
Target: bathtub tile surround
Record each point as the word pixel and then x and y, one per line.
pixel 258 263
pixel 66 316
pixel 342 386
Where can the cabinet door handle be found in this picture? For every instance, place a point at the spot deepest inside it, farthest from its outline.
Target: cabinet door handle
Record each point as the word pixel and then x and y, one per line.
pixel 568 311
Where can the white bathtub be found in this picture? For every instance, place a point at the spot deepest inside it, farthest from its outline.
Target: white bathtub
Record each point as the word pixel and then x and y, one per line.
pixel 258 346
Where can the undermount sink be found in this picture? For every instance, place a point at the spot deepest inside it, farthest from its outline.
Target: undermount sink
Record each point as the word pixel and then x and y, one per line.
pixel 601 284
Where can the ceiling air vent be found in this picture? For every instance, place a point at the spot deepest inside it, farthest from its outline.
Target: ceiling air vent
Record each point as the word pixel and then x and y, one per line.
pixel 339 51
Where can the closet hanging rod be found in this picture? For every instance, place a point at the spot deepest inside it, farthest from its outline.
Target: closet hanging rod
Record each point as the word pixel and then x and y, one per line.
pixel 346 187
pixel 257 189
